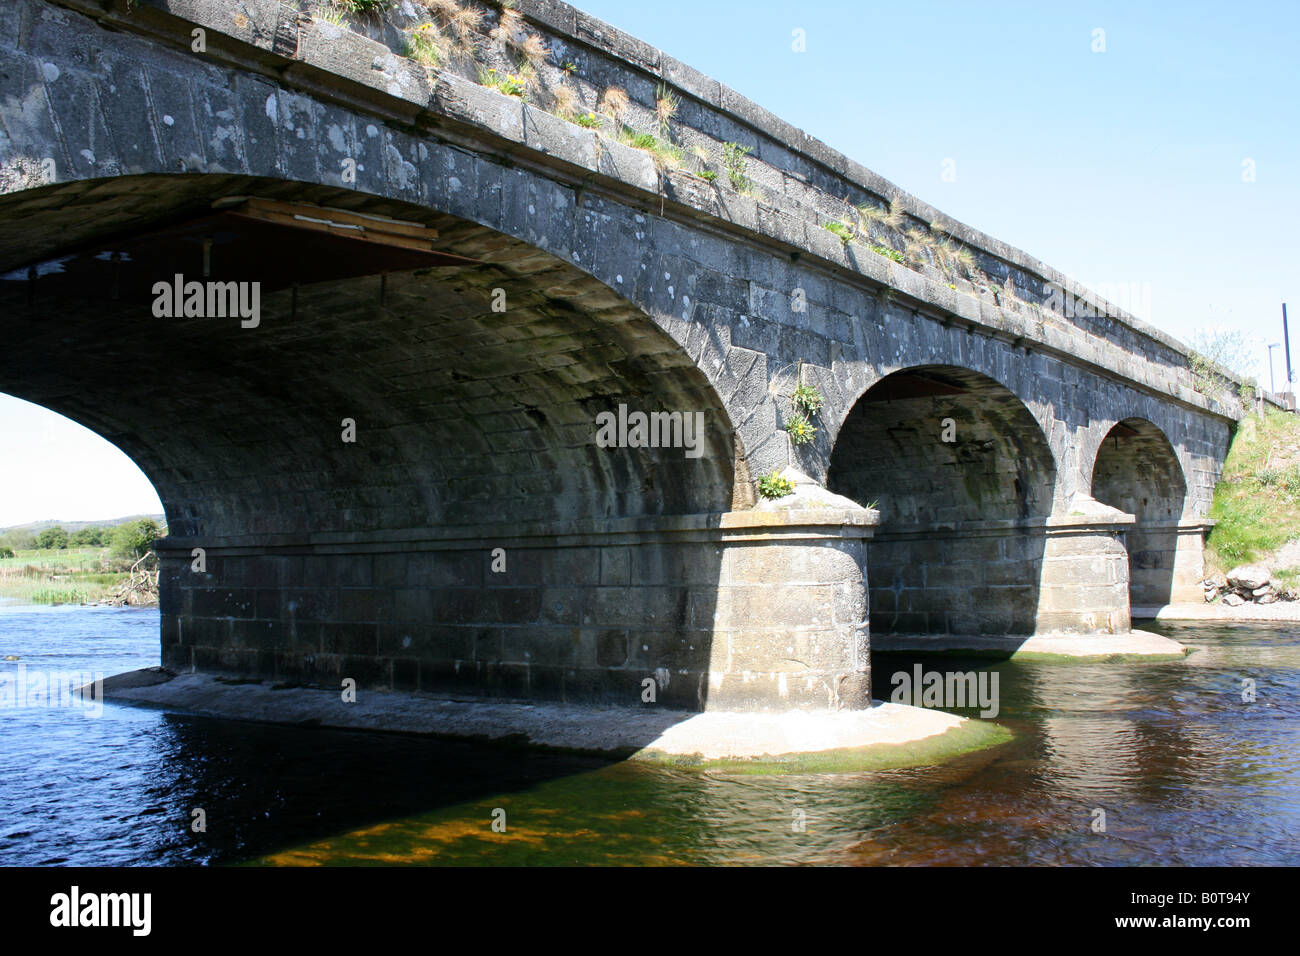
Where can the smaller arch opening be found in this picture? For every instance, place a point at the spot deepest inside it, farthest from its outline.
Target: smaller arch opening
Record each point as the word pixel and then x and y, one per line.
pixel 1137 471
pixel 963 477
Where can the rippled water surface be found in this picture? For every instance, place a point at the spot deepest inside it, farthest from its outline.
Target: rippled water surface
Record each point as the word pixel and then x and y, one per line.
pixel 1185 771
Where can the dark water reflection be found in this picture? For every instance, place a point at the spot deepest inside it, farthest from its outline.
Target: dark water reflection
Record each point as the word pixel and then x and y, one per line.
pixel 1185 771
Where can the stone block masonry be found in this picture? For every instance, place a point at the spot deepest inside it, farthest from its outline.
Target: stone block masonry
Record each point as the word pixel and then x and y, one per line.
pixel 735 611
pixel 623 282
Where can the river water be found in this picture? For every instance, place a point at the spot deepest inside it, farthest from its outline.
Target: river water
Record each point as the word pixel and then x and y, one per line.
pixel 1128 764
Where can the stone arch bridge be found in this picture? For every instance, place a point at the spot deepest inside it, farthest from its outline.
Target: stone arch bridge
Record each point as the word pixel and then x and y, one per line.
pixel 381 434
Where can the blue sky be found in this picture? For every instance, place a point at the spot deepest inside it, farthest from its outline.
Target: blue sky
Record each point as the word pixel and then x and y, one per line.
pixel 1123 168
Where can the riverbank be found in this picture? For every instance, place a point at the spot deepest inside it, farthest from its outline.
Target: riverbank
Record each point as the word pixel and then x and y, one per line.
pixel 887 736
pixel 1242 614
pixel 84 576
pixel 1135 645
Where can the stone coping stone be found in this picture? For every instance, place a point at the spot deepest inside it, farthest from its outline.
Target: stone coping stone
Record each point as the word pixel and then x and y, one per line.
pixel 843 739
pixel 1047 647
pixel 811 517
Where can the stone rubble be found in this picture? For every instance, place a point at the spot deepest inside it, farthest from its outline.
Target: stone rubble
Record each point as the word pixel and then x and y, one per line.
pixel 1248 583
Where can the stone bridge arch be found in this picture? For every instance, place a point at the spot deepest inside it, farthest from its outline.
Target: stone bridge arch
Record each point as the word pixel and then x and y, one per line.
pixel 1137 470
pixel 473 536
pixel 965 482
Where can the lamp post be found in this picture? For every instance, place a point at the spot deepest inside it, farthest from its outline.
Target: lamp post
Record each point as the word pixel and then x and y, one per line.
pixel 1271 347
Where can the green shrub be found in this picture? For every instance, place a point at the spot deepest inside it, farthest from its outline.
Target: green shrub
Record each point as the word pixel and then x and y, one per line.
pixel 800 430
pixel 774 486
pixel 733 157
pixel 809 398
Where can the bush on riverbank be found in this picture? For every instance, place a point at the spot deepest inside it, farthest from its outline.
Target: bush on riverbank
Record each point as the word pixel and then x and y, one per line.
pixel 56 576
pixel 1257 499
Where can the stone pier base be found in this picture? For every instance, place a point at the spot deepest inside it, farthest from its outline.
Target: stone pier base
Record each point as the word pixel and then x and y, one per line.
pixel 743 611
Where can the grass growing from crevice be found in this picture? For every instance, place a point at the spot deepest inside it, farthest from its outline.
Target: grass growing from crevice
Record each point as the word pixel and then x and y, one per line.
pixel 665 154
pixel 733 158
pixel 1257 499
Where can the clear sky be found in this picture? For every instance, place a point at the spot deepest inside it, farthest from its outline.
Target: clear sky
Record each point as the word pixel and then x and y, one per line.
pixel 1156 161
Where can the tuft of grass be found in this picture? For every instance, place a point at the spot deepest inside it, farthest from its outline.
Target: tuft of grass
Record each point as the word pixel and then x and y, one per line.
pixel 733 158
pixel 508 24
pixel 665 154
pixel 709 175
pixel 896 216
pixel 426 45
pixel 566 101
pixel 533 51
pixel 888 253
pixel 666 103
pixel 869 213
pixel 589 120
pixel 840 229
pixel 335 12
pixel 510 84
pixel 613 103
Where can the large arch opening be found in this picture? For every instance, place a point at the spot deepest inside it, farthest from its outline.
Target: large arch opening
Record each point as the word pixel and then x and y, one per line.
pixel 964 480
pixel 352 462
pixel 1137 471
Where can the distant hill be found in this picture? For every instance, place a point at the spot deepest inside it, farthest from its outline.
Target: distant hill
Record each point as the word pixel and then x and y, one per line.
pixel 36 527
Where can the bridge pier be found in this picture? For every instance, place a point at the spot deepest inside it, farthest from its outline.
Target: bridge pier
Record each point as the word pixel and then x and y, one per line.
pixel 1166 562
pixel 740 611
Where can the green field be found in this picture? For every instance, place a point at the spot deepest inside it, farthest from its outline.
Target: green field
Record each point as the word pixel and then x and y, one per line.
pixel 71 576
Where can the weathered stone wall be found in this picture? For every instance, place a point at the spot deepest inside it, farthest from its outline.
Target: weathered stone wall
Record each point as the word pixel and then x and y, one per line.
pixel 743 611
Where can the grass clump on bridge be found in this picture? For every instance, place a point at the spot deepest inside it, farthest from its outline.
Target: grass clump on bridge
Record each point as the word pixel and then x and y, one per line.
pixel 1257 499
pixel 511 84
pixel 840 229
pixel 733 158
pixel 665 154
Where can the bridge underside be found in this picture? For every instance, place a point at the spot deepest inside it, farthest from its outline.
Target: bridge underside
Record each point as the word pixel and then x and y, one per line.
pixel 469 534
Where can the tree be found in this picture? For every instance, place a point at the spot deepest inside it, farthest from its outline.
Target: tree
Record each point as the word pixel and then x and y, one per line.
pixel 18 539
pixel 6 551
pixel 1220 347
pixel 87 538
pixel 52 538
pixel 135 538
